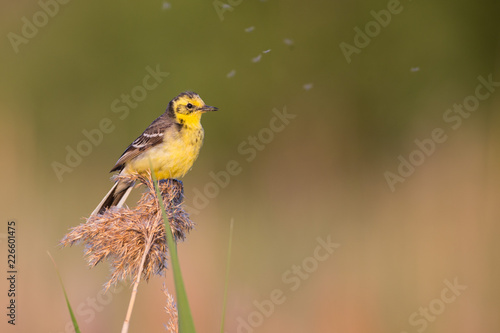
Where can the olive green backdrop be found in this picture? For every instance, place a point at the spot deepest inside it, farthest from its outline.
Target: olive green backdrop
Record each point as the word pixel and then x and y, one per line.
pixel 356 148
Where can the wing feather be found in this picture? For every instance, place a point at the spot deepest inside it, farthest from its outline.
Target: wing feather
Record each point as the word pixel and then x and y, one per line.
pixel 152 136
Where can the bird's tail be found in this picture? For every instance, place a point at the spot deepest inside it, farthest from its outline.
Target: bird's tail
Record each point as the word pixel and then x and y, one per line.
pixel 115 197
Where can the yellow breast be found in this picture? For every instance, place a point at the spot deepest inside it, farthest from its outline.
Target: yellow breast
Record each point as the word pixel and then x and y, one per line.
pixel 175 156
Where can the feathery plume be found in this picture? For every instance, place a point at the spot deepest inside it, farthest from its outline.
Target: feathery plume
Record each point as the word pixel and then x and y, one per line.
pixel 120 235
pixel 171 310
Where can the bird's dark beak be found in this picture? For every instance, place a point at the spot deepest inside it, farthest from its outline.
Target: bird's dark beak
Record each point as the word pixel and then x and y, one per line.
pixel 208 108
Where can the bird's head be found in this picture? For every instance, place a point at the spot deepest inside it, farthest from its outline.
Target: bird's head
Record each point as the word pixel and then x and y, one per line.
pixel 188 107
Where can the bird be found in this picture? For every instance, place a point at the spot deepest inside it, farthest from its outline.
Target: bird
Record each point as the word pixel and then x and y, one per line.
pixel 170 144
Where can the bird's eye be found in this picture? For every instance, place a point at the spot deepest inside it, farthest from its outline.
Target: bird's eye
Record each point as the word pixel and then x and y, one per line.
pixel 189 106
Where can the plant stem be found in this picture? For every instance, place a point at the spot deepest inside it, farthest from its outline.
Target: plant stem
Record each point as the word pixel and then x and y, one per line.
pixel 136 285
pixel 71 313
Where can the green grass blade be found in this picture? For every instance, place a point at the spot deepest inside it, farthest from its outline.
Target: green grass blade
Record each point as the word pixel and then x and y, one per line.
pixel 185 321
pixel 228 261
pixel 73 318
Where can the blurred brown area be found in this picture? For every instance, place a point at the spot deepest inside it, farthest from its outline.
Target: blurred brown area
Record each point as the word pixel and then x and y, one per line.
pixel 415 250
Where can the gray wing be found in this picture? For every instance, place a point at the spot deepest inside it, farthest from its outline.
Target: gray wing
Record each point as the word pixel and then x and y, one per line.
pixel 152 136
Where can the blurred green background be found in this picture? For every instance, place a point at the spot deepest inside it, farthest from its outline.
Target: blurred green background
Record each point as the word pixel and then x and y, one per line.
pixel 322 176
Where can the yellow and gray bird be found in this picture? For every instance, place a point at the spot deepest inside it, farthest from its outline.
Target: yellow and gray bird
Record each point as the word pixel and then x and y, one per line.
pixel 171 144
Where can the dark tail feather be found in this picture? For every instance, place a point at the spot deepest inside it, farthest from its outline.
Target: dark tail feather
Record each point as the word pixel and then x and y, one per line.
pixel 115 197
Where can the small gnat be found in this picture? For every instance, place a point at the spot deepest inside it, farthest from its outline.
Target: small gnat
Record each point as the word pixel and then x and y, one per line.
pixel 414 69
pixel 257 58
pixel 250 29
pixel 226 6
pixel 288 41
pixel 231 74
pixel 266 51
pixel 307 86
pixel 166 5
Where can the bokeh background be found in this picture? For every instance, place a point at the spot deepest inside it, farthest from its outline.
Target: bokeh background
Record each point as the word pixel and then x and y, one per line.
pixel 322 176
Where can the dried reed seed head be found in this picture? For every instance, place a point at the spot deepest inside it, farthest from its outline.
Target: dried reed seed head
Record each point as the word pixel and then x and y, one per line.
pixel 171 310
pixel 120 235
